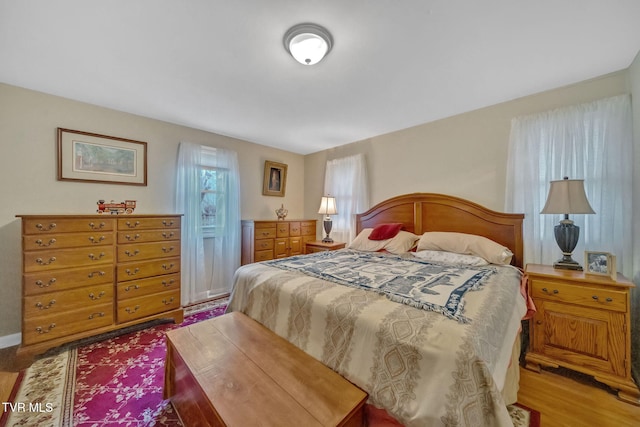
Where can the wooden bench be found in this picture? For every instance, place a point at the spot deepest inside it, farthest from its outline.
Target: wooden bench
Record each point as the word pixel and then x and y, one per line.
pixel 232 371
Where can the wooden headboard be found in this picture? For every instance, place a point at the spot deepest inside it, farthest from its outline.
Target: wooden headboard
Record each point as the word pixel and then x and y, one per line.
pixel 422 212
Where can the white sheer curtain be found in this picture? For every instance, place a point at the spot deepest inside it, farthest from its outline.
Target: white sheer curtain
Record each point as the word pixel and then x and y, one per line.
pixel 346 180
pixel 589 141
pixel 207 269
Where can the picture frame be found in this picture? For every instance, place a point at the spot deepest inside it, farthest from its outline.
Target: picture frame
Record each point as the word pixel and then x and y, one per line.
pixel 274 182
pixel 92 157
pixel 600 264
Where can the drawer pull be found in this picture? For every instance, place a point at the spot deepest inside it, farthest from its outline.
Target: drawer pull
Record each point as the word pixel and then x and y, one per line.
pixel 538 322
pixel 167 223
pixel 99 314
pixel 165 302
pixel 45 307
pixel 132 273
pixel 167 267
pixel 264 245
pixel 166 285
pixel 265 233
pixel 50 227
pixel 134 225
pixel 555 291
pixel 96 241
pixel 93 297
pixel 595 297
pixel 132 238
pixel 130 254
pixel 168 235
pixel 167 250
pixel 128 288
pixel 93 226
pixel 42 262
pixel 96 258
pixel 131 311
pixel 99 273
pixel 44 245
pixel 45 331
pixel 609 300
pixel 41 284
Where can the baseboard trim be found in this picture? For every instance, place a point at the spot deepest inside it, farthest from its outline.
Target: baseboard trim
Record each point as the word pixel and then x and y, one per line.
pixel 10 340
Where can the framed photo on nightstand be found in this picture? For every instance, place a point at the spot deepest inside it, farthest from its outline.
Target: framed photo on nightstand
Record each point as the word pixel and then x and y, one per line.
pixel 600 263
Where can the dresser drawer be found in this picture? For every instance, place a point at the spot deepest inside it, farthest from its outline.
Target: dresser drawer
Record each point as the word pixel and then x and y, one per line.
pixel 265 233
pixel 587 296
pixel 58 280
pixel 44 328
pixel 143 269
pixel 263 244
pixel 141 251
pixel 66 240
pixel 282 229
pixel 62 301
pixel 128 224
pixel 148 236
pixel 153 285
pixel 294 229
pixel 263 256
pixel 64 258
pixel 308 229
pixel 65 225
pixel 136 308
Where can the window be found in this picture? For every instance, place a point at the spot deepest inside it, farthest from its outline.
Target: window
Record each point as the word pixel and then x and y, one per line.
pixel 214 186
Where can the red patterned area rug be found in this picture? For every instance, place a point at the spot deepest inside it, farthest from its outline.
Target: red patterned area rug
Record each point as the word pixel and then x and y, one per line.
pixel 118 381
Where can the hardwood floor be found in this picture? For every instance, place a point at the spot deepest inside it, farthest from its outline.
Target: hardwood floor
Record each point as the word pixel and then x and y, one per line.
pixel 569 400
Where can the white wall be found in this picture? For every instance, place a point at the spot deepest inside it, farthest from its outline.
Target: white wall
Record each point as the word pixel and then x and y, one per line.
pixel 28 123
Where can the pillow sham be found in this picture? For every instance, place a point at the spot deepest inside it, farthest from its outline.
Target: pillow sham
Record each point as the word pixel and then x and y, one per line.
pixel 385 231
pixel 451 258
pixel 465 244
pixel 401 243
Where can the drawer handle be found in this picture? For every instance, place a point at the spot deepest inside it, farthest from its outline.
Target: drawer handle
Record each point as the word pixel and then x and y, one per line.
pixel 167 267
pixel 99 273
pixel 167 250
pixel 264 245
pixel 265 233
pixel 50 227
pixel 130 254
pixel 96 241
pixel 128 288
pixel 555 291
pixel 132 238
pixel 93 297
pixel 130 311
pixel 44 245
pixel 132 273
pixel 93 226
pixel 45 307
pixel 99 314
pixel 41 284
pixel 134 225
pixel 538 322
pixel 45 331
pixel 165 302
pixel 167 223
pixel 42 262
pixel 166 285
pixel 595 297
pixel 96 258
pixel 168 235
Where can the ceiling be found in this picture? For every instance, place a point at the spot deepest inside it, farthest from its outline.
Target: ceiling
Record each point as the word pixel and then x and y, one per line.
pixel 220 66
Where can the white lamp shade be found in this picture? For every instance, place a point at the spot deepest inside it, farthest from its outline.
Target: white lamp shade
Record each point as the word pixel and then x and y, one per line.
pixel 567 196
pixel 308 43
pixel 328 206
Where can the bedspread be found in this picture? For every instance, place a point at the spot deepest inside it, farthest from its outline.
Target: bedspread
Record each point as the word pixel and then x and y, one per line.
pixel 424 368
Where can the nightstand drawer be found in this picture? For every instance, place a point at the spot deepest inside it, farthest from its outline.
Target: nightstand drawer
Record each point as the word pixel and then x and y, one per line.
pixel 608 299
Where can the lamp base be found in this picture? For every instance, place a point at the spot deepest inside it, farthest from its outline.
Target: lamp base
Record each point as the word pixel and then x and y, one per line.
pixel 327 229
pixel 327 240
pixel 562 264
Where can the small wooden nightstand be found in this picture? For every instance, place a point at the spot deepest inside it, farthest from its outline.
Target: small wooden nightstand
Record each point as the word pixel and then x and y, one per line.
pixel 320 246
pixel 582 323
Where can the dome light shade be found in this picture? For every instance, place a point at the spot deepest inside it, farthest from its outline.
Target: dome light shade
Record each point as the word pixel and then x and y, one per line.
pixel 308 43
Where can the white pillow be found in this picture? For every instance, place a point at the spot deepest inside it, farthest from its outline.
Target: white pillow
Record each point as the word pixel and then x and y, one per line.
pixel 462 243
pixel 401 243
pixel 451 258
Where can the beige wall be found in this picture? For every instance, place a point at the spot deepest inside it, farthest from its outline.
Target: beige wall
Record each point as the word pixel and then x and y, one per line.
pixel 634 79
pixel 28 122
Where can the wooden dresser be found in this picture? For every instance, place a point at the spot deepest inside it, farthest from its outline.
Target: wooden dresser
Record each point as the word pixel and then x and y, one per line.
pixel 265 240
pixel 88 274
pixel 582 323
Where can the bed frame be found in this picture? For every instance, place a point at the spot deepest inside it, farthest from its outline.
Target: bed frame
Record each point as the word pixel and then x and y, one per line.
pixel 422 212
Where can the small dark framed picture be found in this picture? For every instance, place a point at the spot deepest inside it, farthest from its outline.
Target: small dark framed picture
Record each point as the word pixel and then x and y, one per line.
pixel 275 179
pixel 600 263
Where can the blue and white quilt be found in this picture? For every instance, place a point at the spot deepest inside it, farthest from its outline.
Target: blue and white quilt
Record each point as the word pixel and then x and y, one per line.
pixel 418 283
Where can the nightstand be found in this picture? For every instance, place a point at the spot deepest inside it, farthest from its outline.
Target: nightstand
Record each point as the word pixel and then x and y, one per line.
pixel 582 323
pixel 320 246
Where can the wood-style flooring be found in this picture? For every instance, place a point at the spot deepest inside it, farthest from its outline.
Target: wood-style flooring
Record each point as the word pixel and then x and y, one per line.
pixel 563 401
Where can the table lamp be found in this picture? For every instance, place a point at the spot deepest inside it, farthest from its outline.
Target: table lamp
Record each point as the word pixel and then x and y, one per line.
pixel 327 208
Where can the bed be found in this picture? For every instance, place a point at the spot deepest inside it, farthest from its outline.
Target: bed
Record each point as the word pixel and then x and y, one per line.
pixel 423 362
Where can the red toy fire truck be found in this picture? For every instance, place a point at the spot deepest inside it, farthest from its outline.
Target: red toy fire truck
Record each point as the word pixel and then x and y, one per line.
pixel 113 208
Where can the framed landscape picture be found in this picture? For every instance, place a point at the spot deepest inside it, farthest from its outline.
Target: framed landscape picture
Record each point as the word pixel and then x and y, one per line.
pixel 91 157
pixel 275 179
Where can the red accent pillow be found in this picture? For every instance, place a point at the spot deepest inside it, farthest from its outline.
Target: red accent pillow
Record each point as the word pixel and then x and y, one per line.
pixel 385 231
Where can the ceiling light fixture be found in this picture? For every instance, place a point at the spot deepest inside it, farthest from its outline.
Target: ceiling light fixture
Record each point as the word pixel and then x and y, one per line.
pixel 308 43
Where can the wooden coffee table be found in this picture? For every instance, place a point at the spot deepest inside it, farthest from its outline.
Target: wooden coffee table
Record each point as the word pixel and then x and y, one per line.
pixel 232 371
